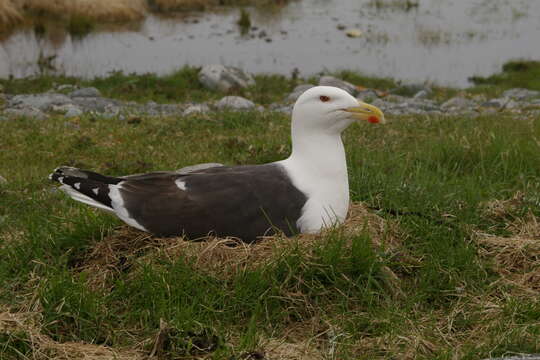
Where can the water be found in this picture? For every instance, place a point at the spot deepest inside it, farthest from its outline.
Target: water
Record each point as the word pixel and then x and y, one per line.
pixel 441 41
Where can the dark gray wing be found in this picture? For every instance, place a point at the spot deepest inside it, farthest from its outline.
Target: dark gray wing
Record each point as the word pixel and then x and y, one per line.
pixel 240 201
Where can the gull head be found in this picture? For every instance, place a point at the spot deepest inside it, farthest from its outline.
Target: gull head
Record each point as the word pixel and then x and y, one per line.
pixel 331 110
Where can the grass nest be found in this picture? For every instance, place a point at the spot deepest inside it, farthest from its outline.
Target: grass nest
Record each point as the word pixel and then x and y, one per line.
pixel 126 249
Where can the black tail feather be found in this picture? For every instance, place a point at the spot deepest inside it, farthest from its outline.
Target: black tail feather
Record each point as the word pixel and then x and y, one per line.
pixel 91 184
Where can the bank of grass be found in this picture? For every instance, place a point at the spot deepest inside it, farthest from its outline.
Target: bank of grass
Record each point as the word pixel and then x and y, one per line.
pixel 440 261
pixel 514 74
pixel 182 86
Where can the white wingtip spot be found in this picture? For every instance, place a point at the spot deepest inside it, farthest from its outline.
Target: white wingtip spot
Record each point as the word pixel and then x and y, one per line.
pixel 77 186
pixel 181 185
pixel 96 190
pixel 61 179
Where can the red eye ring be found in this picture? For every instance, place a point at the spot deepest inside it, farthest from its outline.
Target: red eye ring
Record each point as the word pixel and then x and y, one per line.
pixel 324 98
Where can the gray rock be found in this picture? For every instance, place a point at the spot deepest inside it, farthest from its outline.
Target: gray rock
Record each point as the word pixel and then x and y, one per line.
pixel 396 98
pixel 85 92
pixel 68 110
pixel 196 109
pixel 380 103
pixel 197 167
pixel 422 94
pixel 111 111
pixel 410 89
pixel 501 103
pixel 3 180
pixel 224 78
pixel 521 94
pixel 66 87
pixel 333 81
pixel 458 103
pixel 367 95
pixel 42 102
pixel 26 112
pixel 73 111
pixel 235 103
pixel 298 90
pixel 278 107
pixel 95 104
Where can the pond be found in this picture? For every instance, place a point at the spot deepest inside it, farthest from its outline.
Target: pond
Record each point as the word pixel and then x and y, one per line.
pixel 440 41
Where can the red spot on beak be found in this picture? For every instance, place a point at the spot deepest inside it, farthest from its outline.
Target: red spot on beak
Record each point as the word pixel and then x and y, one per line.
pixel 373 119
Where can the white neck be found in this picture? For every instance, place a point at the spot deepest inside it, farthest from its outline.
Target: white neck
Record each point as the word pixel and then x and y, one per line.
pixel 318 167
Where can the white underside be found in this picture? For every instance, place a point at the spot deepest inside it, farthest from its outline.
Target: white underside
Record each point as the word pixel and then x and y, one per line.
pixel 116 200
pixel 75 195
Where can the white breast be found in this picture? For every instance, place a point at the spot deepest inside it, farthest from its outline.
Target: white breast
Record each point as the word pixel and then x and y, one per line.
pixel 327 191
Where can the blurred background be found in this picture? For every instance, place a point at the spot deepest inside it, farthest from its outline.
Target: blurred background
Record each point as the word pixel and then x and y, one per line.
pixel 443 42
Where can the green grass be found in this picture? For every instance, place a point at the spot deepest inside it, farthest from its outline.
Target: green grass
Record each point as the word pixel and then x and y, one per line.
pixel 515 74
pixel 430 178
pixel 180 86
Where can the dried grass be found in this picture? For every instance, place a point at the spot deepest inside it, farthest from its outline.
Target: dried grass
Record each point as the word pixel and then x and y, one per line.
pixel 28 325
pixel 517 257
pixel 9 15
pixel 102 10
pixel 223 257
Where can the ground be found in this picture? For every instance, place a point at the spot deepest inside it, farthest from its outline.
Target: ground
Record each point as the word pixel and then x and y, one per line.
pixel 439 258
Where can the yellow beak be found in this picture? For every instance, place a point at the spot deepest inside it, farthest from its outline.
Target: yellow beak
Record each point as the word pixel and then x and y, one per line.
pixel 367 112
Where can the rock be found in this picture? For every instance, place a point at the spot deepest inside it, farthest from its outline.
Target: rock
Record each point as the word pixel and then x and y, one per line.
pixel 235 103
pixel 332 81
pixel 42 102
pixel 198 167
pixel 396 98
pixel 26 112
pixel 458 103
pixel 111 111
pixel 196 109
pixel 353 33
pixel 521 94
pixel 410 89
pixel 95 104
pixel 298 90
pixel 3 180
pixel 278 107
pixel 68 110
pixel 85 92
pixel 367 95
pixel 66 87
pixel 224 78
pixel 422 94
pixel 498 103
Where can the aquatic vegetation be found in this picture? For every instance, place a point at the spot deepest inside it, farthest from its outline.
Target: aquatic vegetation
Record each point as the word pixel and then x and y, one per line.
pixel 244 22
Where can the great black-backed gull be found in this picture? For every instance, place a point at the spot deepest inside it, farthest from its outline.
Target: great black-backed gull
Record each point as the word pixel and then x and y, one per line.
pixel 304 193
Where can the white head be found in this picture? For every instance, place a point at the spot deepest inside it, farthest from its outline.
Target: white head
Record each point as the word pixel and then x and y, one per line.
pixel 330 110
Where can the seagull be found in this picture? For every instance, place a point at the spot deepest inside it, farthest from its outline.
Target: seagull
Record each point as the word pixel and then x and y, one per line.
pixel 304 193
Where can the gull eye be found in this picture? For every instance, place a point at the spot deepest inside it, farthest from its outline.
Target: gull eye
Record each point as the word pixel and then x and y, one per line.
pixel 324 98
